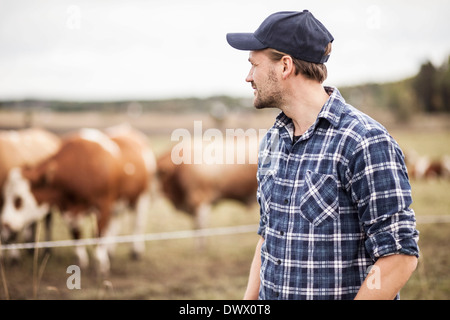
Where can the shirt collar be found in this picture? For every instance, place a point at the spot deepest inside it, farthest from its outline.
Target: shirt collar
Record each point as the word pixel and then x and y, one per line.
pixel 331 111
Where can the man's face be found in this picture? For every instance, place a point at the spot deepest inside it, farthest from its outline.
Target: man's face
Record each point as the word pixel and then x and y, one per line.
pixel 264 81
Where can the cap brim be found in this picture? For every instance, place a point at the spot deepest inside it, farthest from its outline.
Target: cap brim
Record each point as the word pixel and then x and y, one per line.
pixel 244 41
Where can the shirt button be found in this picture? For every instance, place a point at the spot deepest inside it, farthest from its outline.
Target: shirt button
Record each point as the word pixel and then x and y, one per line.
pixel 282 233
pixel 286 201
pixel 278 262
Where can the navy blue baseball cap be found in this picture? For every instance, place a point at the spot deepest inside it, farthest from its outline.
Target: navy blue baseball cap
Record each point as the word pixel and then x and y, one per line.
pixel 298 34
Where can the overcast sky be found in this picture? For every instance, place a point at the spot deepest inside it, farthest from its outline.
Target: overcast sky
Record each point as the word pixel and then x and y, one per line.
pixel 132 49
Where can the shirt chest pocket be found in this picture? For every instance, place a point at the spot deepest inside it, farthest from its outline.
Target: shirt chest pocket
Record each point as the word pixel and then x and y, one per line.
pixel 319 200
pixel 266 188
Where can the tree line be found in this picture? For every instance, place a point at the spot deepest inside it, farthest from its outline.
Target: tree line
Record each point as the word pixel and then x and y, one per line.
pixel 426 92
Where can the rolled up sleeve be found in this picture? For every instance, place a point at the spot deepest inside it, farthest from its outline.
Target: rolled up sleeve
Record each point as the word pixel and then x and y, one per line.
pixel 380 187
pixel 395 234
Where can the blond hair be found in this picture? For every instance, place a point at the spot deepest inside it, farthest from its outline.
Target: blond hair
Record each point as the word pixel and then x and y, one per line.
pixel 313 71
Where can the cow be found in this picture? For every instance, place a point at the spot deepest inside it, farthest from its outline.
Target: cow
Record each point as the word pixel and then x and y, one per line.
pixel 93 171
pixel 25 147
pixel 446 166
pixel 195 187
pixel 422 167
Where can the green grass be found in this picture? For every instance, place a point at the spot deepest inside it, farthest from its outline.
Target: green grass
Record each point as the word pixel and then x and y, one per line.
pixel 432 144
pixel 431 197
pixel 431 279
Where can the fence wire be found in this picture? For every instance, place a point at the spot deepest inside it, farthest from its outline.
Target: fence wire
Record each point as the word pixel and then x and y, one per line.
pixel 133 238
pixel 183 234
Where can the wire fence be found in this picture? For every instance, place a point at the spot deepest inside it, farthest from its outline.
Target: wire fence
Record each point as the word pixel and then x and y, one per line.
pixel 134 238
pixel 183 234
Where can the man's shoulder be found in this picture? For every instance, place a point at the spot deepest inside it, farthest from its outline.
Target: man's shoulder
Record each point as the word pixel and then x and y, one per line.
pixel 344 116
pixel 359 123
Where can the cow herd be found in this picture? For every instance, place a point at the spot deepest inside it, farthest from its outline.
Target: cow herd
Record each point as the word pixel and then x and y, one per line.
pixel 101 173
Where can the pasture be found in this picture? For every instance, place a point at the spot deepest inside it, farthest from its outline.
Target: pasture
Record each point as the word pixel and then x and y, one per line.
pixel 176 268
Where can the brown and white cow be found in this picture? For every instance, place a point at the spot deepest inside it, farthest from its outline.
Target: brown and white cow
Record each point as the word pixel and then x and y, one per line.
pixel 422 167
pixel 92 172
pixel 194 188
pixel 25 147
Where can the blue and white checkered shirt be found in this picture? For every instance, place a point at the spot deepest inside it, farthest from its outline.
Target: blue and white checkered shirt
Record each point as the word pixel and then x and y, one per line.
pixel 332 203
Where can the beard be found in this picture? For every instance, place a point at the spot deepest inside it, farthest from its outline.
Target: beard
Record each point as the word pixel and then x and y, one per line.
pixel 265 102
pixel 269 95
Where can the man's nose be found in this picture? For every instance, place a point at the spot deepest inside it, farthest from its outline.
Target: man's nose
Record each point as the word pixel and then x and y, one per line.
pixel 249 77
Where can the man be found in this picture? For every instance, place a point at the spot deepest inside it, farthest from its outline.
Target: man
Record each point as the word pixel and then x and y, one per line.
pixel 333 187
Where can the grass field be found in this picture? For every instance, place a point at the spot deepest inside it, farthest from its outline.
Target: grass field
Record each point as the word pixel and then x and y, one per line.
pixel 430 198
pixel 176 269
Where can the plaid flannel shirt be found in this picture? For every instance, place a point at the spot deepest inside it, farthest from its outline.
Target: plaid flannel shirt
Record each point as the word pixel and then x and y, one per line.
pixel 332 203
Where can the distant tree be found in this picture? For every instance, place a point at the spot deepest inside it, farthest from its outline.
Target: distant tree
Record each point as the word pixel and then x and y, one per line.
pixel 425 87
pixel 444 86
pixel 400 100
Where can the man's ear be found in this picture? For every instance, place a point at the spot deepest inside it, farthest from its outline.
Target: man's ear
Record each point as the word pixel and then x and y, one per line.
pixel 288 67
